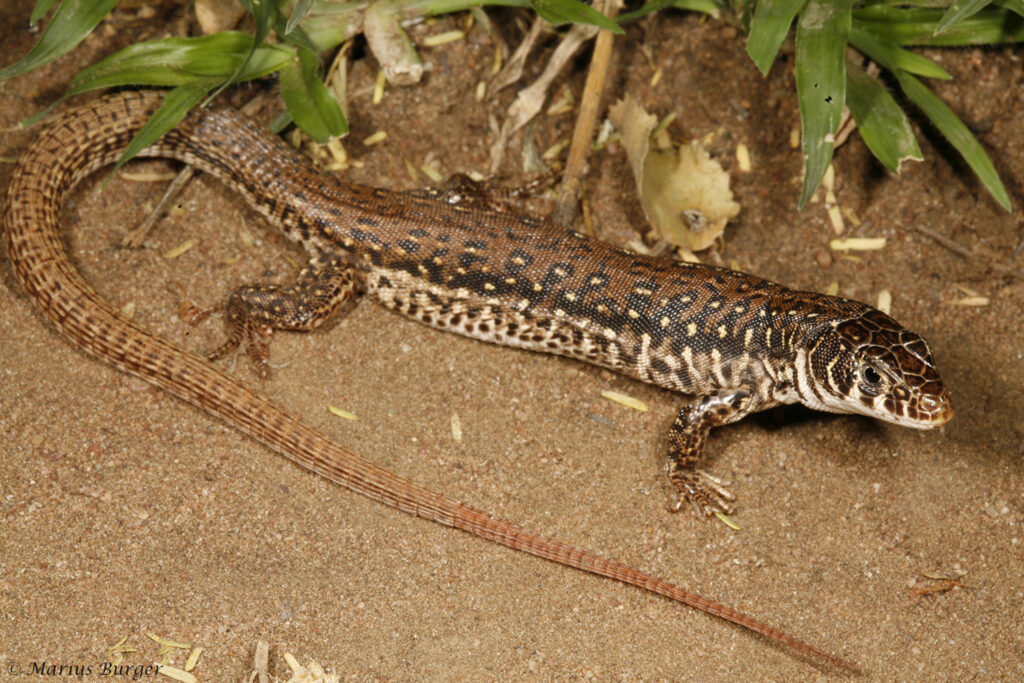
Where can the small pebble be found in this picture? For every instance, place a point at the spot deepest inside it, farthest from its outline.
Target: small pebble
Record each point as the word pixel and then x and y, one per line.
pixel 823 257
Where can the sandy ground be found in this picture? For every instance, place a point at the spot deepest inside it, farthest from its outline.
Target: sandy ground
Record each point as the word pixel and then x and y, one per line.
pixel 125 512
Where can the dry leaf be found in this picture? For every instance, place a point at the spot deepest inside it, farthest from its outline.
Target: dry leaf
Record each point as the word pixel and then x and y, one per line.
pixel 684 192
pixel 218 15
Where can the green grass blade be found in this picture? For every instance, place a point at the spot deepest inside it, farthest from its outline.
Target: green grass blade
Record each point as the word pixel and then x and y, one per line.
pixel 172 62
pixel 909 26
pixel 179 61
pixel 299 13
pixel 893 57
pixel 558 12
pixel 821 35
pixel 264 13
pixel 644 10
pixel 41 8
pixel 957 133
pixel 72 22
pixel 280 122
pixel 705 6
pixel 882 124
pixel 1016 6
pixel 297 36
pixel 957 12
pixel 772 19
pixel 309 102
pixel 176 104
pixel 166 62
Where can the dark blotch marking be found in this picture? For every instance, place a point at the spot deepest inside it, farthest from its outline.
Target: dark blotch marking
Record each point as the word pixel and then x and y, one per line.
pixel 468 260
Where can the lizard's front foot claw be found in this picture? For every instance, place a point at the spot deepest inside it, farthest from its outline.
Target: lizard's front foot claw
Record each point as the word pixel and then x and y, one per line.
pixel 707 493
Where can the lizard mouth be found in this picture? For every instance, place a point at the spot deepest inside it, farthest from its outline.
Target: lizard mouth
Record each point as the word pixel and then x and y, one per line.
pixel 929 411
pixel 937 409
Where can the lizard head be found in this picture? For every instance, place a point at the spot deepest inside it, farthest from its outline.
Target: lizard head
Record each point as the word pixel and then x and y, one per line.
pixel 870 364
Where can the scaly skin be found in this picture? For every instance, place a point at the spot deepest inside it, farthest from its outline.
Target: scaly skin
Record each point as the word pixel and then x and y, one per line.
pixel 737 342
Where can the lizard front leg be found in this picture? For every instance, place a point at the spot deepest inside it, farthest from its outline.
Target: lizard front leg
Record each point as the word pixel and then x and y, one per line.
pixel 686 440
pixel 255 311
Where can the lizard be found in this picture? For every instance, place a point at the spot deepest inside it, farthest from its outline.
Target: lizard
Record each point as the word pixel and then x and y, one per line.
pixel 736 342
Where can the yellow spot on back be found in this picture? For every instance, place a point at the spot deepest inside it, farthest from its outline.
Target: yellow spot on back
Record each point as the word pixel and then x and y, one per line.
pixel 691 329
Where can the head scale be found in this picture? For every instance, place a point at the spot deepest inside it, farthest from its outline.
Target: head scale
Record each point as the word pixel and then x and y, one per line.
pixel 870 364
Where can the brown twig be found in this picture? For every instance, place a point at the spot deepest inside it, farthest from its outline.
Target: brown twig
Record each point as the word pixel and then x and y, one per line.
pixel 136 237
pixel 968 254
pixel 566 206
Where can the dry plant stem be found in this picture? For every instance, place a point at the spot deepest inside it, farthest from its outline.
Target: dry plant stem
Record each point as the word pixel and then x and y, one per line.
pixel 513 69
pixel 567 205
pixel 259 665
pixel 137 237
pixel 961 250
pixel 530 99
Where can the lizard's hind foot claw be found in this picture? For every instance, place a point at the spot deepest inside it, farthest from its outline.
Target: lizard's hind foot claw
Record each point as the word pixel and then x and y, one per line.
pixel 247 332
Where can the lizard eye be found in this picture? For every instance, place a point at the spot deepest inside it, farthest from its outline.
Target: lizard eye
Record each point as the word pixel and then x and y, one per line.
pixel 871 380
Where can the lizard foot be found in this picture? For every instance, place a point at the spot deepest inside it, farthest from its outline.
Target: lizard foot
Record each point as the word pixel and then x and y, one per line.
pixel 708 494
pixel 247 332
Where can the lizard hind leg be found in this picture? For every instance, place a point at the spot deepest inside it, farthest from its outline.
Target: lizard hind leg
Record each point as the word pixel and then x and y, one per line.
pixel 686 440
pixel 323 287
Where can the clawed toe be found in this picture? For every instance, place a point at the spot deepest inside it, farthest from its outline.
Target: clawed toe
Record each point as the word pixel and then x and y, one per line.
pixel 708 494
pixel 255 338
